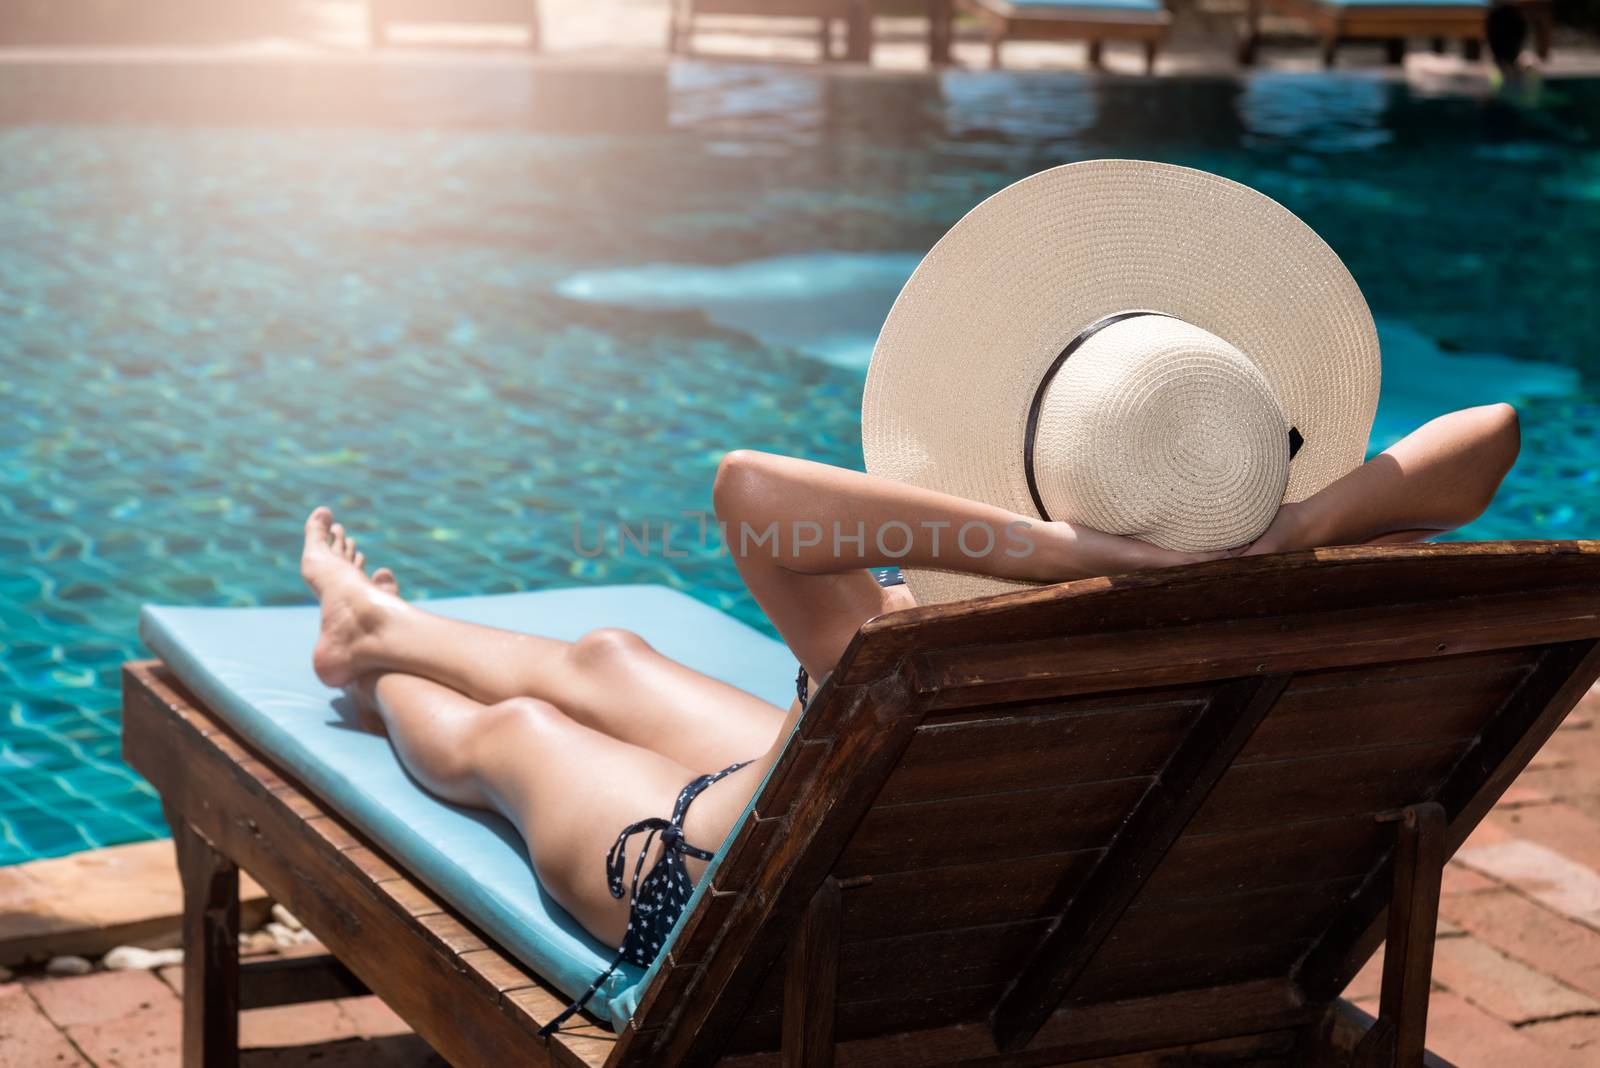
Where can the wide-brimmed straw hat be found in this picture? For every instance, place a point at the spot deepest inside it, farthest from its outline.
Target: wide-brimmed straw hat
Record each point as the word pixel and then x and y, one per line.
pixel 1145 349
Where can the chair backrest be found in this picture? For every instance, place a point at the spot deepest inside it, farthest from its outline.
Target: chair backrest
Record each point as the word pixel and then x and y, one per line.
pixel 1146 810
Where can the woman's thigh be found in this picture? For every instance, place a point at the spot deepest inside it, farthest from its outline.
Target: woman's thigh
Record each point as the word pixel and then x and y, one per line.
pixel 616 683
pixel 571 790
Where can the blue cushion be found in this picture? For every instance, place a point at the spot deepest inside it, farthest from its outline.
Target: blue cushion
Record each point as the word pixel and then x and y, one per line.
pixel 252 667
pixel 1022 6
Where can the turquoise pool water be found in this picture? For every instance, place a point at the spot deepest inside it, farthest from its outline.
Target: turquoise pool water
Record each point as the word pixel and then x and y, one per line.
pixel 517 309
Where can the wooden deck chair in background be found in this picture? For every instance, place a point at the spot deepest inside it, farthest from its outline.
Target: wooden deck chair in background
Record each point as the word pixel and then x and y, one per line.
pixel 1389 21
pixel 1092 21
pixel 856 15
pixel 381 14
pixel 1166 811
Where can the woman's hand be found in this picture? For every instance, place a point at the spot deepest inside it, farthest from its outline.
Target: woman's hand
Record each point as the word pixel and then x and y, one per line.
pixel 1290 530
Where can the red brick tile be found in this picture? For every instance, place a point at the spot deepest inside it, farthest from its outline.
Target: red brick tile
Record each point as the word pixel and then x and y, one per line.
pixel 86 903
pixel 1487 833
pixel 100 996
pixel 1577 1037
pixel 1551 878
pixel 1502 986
pixel 1368 981
pixel 147 1038
pixel 27 1037
pixel 1460 879
pixel 1548 941
pixel 1564 829
pixel 312 1023
pixel 1468 1037
pixel 373 1018
pixel 1519 796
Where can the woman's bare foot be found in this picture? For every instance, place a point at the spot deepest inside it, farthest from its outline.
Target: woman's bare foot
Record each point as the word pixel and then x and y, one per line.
pixel 384 579
pixel 354 606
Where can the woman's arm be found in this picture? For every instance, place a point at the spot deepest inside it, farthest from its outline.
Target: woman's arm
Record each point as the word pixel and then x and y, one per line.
pixel 1440 476
pixel 802 534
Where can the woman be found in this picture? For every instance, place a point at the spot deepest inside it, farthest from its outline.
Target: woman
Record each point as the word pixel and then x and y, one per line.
pixel 1151 422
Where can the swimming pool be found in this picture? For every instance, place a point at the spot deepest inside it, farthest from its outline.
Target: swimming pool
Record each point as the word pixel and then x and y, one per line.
pixel 474 308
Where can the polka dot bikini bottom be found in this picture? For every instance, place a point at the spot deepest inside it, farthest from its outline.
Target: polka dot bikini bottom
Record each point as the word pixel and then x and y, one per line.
pixel 659 896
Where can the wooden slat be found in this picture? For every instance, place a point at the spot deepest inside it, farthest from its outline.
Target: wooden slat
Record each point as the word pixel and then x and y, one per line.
pixel 451 932
pixel 1327 786
pixel 1317 850
pixel 922 964
pixel 1107 980
pixel 1417 701
pixel 1152 929
pixel 1078 741
pixel 1182 654
pixel 1275 1049
pixel 975 829
pixel 1287 587
pixel 1232 715
pixel 699 931
pixel 796 769
pixel 811 982
pixel 964 895
pixel 871 1032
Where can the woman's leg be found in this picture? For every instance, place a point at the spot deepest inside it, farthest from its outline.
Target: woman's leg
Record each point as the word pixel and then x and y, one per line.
pixel 610 680
pixel 568 788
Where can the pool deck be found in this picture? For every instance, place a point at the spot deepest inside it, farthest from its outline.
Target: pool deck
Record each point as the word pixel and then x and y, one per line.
pixel 1516 975
pixel 632 34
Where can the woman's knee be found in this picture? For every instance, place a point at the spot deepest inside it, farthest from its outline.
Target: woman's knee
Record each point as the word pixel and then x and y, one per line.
pixel 608 650
pixel 520 715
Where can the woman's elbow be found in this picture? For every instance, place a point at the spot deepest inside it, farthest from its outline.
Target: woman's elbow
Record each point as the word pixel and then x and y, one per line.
pixel 738 475
pixel 1497 442
pixel 1502 437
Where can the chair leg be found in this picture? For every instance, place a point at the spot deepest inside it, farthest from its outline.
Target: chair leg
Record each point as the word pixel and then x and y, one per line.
pixel 858 32
pixel 375 24
pixel 1330 50
pixel 811 982
pixel 1399 1037
pixel 996 37
pixel 1095 57
pixel 1149 58
pixel 825 38
pixel 210 950
pixel 1251 42
pixel 680 28
pixel 1541 32
pixel 535 37
pixel 1394 50
pixel 941 22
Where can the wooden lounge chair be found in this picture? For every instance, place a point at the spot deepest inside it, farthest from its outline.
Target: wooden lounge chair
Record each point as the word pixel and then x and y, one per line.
pixel 855 14
pixel 1390 21
pixel 381 14
pixel 1094 21
pixel 1169 811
